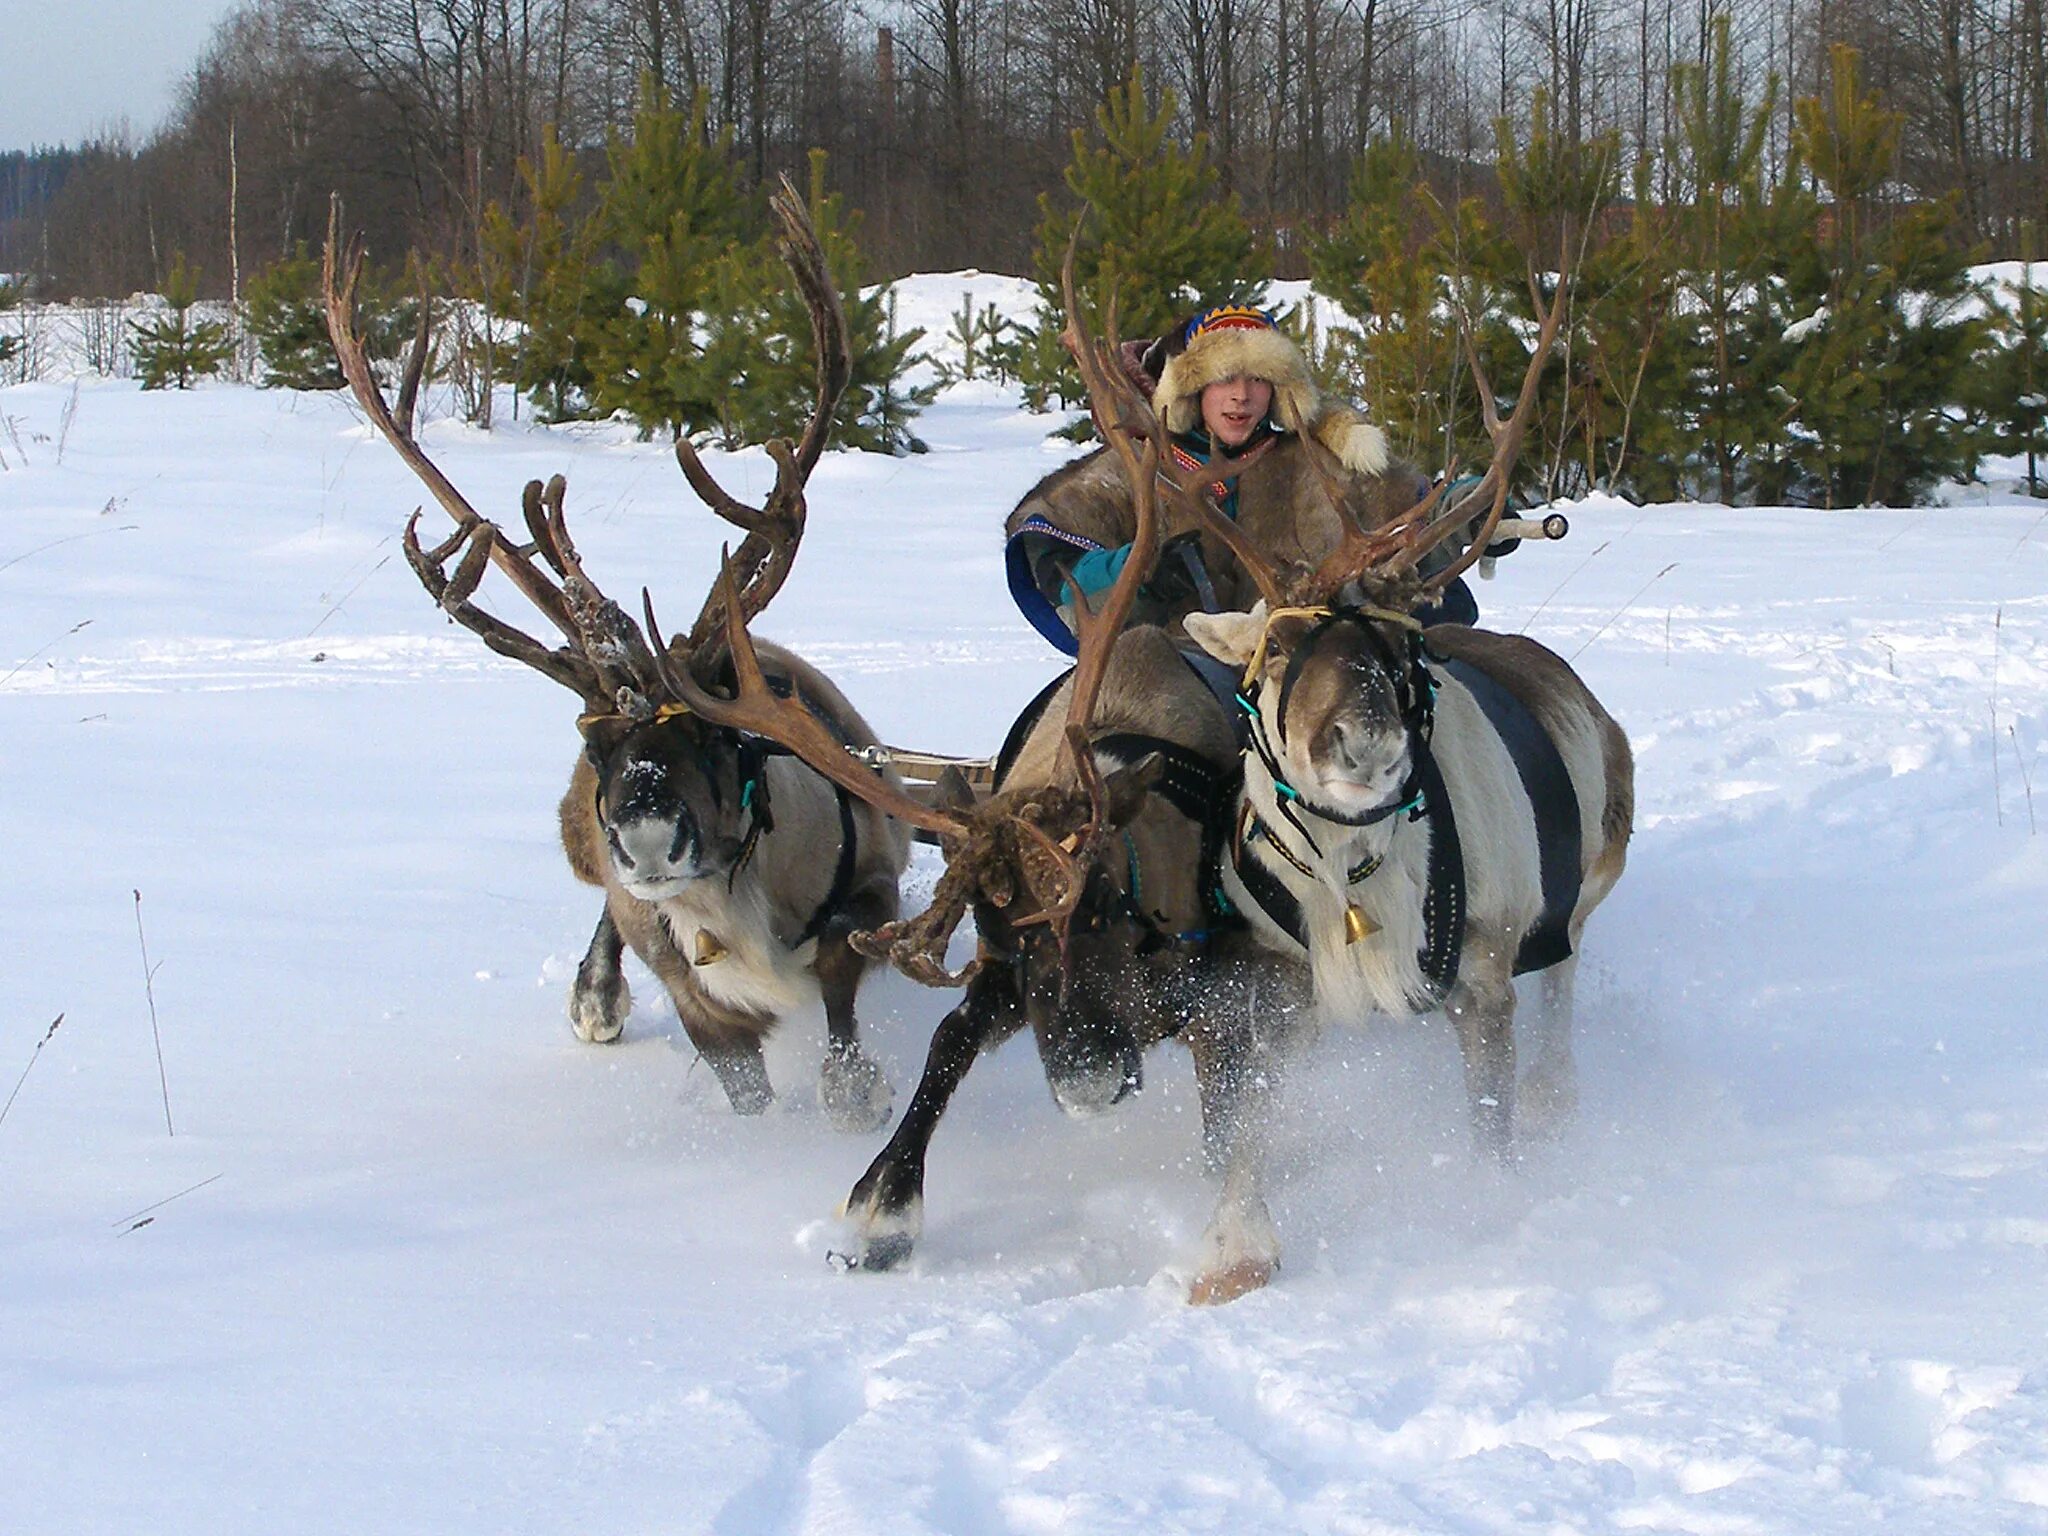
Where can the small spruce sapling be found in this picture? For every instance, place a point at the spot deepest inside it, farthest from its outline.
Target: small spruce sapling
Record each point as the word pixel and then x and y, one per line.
pixel 172 348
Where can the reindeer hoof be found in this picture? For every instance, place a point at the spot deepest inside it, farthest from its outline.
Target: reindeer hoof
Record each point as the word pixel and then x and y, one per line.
pixel 598 1014
pixel 883 1239
pixel 884 1251
pixel 1214 1287
pixel 856 1097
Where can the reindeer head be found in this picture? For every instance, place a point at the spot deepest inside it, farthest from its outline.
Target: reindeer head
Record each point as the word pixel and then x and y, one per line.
pixel 1095 975
pixel 677 798
pixel 1333 697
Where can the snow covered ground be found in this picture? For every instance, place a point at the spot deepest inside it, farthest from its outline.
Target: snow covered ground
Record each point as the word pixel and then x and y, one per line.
pixel 431 1265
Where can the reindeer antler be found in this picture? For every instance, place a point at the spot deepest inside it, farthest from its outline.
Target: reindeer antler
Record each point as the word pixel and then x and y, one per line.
pixel 758 709
pixel 774 529
pixel 606 661
pixel 1394 551
pixel 1044 839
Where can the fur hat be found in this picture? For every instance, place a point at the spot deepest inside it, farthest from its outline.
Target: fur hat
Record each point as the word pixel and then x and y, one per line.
pixel 1233 340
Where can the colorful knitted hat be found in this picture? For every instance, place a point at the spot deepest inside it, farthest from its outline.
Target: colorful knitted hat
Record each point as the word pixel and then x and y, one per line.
pixel 1237 341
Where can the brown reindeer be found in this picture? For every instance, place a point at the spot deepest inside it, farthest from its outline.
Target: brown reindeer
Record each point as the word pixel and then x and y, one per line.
pixel 1090 875
pixel 732 869
pixel 1425 814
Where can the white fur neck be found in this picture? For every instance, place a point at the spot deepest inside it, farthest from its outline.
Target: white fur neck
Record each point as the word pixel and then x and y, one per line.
pixel 1382 971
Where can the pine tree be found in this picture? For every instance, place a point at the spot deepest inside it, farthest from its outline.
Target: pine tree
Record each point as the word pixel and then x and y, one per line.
pixel 670 210
pixel 172 348
pixel 1555 191
pixel 773 391
pixel 1159 238
pixel 1385 265
pixel 542 263
pixel 733 346
pixel 2011 384
pixel 286 314
pixel 1881 359
pixel 1637 437
pixel 980 337
pixel 1724 246
pixel 1776 242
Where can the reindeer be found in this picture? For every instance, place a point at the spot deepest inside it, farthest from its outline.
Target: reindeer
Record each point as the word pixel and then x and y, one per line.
pixel 1425 813
pixel 733 871
pixel 1090 873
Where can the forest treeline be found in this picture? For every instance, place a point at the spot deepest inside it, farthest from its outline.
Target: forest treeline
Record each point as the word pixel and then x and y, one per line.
pixel 1772 298
pixel 945 120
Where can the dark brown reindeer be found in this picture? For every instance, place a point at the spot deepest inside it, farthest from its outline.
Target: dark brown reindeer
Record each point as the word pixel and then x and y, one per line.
pixel 735 872
pixel 1090 875
pixel 1426 814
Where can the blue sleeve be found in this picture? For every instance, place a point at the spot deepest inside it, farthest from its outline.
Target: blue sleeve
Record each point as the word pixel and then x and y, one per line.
pixel 1098 569
pixel 1021 558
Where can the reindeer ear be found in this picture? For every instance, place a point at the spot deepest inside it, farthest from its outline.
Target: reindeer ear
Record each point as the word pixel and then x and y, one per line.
pixel 1126 788
pixel 952 792
pixel 1230 637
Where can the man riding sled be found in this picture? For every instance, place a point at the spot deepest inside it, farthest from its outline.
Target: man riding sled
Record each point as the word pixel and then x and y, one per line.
pixel 1235 395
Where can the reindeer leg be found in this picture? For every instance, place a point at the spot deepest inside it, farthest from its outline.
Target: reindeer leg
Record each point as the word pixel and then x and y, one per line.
pixel 1239 1049
pixel 741 1071
pixel 887 1204
pixel 1482 1008
pixel 728 1039
pixel 855 1094
pixel 1241 1248
pixel 1548 1095
pixel 600 999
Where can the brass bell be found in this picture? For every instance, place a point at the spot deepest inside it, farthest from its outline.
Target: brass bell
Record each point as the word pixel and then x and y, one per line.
pixel 1357 925
pixel 709 950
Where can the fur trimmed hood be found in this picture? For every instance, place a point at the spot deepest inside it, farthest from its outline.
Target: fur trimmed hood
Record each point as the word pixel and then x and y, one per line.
pixel 1235 341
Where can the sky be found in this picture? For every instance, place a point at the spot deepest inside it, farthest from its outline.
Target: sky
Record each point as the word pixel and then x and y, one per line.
pixel 71 69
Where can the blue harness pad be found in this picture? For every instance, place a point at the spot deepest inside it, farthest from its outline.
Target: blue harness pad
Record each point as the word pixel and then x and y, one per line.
pixel 1559 838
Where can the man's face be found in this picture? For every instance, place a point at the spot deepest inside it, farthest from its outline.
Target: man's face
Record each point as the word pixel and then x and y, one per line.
pixel 1233 408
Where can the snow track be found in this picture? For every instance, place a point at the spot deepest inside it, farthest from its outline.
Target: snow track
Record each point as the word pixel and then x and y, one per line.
pixel 460 1273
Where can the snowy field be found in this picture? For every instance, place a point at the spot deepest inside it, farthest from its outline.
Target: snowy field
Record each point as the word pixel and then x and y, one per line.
pixel 434 1266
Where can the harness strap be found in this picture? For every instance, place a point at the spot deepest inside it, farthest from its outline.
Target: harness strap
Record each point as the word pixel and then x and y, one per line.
pixel 1553 802
pixel 754 752
pixel 842 874
pixel 1269 894
pixel 1443 905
